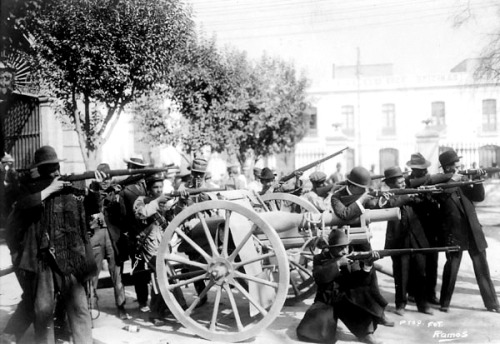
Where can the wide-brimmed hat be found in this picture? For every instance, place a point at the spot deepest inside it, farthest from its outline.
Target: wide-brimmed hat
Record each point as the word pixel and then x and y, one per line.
pixel 199 165
pixel 257 170
pixel 136 159
pixel 417 160
pixel 338 237
pixel 266 174
pixel 317 177
pixel 448 158
pixel 46 155
pixel 392 172
pixel 359 176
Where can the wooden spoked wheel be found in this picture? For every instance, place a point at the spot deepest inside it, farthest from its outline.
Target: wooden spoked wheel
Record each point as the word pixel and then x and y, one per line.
pixel 210 251
pixel 300 250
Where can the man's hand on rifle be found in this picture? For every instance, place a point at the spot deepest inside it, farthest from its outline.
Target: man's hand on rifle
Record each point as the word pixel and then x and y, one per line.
pixel 374 255
pixel 100 176
pixel 56 186
pixel 343 261
pixel 164 198
pixel 365 198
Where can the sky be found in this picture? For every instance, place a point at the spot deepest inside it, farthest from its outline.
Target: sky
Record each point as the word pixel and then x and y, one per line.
pixel 416 36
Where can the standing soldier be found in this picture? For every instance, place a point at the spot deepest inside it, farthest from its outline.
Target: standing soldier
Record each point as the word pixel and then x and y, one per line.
pixel 47 235
pixel 130 227
pixel 320 200
pixel 406 233
pixel 267 179
pixel 102 244
pixel 427 211
pixel 460 226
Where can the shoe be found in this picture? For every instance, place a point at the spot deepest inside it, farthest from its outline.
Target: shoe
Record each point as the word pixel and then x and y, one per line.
pixel 444 309
pixel 370 339
pixel 157 321
pixel 144 308
pixel 426 310
pixel 122 314
pixel 494 309
pixel 400 311
pixel 386 322
pixel 433 300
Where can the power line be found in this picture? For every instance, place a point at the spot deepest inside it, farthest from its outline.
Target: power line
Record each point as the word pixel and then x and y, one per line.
pixel 265 20
pixel 383 22
pixel 406 21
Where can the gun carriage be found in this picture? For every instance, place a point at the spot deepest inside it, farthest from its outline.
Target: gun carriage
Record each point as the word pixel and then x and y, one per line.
pixel 244 259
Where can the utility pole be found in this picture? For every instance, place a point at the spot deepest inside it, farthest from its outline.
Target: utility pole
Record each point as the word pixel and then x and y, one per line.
pixel 357 118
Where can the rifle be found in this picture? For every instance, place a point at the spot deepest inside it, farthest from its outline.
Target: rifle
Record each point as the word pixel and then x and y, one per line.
pixel 113 173
pixel 373 177
pixel 400 251
pixel 309 166
pixel 436 188
pixel 472 172
pixel 195 191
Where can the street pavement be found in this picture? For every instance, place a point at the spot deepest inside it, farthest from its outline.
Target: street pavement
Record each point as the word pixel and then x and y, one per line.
pixel 466 322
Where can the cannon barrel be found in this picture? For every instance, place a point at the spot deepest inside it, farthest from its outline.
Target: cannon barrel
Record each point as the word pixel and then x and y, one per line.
pixel 283 221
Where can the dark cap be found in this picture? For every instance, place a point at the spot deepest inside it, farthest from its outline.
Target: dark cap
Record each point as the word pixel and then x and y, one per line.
pixel 448 158
pixel 392 172
pixel 317 177
pixel 359 176
pixel 338 237
pixel 418 161
pixel 266 174
pixel 46 155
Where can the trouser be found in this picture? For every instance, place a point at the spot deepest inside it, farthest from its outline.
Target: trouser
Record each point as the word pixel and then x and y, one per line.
pixel 402 267
pixel 72 292
pixel 24 315
pixel 481 270
pixel 431 274
pixel 103 249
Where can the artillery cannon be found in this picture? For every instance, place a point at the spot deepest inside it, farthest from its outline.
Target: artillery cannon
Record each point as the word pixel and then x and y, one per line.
pixel 239 257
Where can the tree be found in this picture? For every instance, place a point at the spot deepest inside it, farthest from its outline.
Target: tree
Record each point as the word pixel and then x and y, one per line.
pixel 233 104
pixel 102 55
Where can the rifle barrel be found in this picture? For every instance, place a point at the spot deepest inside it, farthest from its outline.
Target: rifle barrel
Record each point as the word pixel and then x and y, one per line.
pixel 196 191
pixel 402 251
pixel 114 173
pixel 471 172
pixel 311 165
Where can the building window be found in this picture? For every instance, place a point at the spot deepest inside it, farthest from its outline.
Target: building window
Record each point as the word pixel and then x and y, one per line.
pixel 313 121
pixel 489 115
pixel 388 119
pixel 389 157
pixel 347 114
pixel 438 114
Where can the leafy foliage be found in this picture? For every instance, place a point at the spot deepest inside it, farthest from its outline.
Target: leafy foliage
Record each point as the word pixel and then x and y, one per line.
pixel 108 52
pixel 235 105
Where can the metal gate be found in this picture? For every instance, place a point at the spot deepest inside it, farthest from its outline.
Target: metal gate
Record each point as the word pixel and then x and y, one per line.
pixel 22 129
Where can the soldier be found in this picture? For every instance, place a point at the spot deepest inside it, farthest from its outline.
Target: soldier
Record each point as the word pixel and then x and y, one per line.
pixel 406 233
pixel 135 186
pixel 460 226
pixel 320 200
pixel 102 244
pixel 345 285
pixel 150 210
pixel 234 180
pixel 255 184
pixel 267 179
pixel 50 249
pixel 349 203
pixel 427 211
pixel 337 176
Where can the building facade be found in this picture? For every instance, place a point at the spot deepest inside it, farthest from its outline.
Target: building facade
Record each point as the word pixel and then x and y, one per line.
pixel 384 118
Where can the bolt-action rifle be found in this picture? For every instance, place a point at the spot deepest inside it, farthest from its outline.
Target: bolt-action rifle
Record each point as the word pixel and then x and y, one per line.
pixel 473 172
pixel 400 251
pixel 195 191
pixel 309 166
pixel 114 173
pixel 432 189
